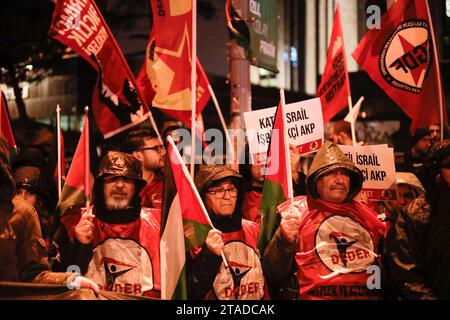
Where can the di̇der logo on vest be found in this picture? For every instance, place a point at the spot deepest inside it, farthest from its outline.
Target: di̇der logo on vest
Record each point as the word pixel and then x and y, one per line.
pixel 121 265
pixel 344 246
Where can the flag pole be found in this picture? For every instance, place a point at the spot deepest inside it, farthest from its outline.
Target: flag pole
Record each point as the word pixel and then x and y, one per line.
pixel 438 71
pixel 86 158
pixel 197 195
pixel 58 143
pixel 222 121
pixel 352 123
pixel 351 117
pixel 349 97
pixel 287 153
pixel 193 84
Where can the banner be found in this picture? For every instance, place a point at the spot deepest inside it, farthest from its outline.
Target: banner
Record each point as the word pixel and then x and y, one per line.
pixel 304 127
pixel 334 89
pixel 116 103
pixel 378 167
pixel 402 59
pixel 165 77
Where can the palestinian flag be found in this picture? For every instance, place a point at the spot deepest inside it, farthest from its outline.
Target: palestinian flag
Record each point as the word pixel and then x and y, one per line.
pixel 184 224
pixel 278 180
pixel 5 127
pixel 73 194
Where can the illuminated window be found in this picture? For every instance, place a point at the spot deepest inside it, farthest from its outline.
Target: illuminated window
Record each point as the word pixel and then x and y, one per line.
pixel 447 5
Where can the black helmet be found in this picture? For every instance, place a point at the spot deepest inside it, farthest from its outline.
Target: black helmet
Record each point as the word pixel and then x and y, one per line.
pixel 122 164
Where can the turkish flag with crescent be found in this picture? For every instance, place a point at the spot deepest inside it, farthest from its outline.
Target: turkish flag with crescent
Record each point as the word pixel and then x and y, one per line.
pixel 165 77
pixel 334 88
pixel 81 27
pixel 400 57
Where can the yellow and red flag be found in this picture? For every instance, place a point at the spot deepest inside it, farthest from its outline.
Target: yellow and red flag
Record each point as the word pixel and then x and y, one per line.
pixel 165 77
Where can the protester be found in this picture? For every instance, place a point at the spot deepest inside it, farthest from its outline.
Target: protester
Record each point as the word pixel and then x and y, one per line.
pixel 22 249
pixel 221 190
pixel 341 133
pixel 254 182
pixel 416 250
pixel 414 157
pixel 116 242
pixel 408 189
pixel 145 146
pixel 328 240
pixel 435 130
pixel 33 186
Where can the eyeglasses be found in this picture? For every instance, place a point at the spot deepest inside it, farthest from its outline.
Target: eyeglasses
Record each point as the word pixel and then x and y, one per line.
pixel 220 193
pixel 157 149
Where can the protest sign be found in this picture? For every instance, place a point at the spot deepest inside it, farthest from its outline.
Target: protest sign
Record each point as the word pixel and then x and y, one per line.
pixel 304 125
pixel 378 167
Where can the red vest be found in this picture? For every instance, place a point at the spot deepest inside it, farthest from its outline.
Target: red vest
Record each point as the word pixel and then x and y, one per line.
pixel 151 194
pixel 338 243
pixel 250 206
pixel 125 256
pixel 244 279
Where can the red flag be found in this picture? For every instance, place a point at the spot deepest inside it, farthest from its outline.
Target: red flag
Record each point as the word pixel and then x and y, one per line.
pixel 334 88
pixel 165 75
pixel 116 103
pixel 73 193
pixel 401 59
pixel 5 126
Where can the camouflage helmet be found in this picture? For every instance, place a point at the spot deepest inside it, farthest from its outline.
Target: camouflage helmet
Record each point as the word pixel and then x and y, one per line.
pixel 329 158
pixel 122 164
pixel 210 174
pixel 410 179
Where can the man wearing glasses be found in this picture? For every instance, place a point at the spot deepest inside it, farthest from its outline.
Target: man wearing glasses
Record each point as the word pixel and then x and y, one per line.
pixel 221 189
pixel 145 146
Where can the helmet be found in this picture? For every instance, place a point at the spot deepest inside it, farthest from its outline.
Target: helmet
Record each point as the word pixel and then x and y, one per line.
pixel 210 174
pixel 409 179
pixel 122 164
pixel 329 158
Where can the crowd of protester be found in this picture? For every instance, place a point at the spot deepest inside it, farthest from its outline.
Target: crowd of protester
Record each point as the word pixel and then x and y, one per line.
pixel 406 238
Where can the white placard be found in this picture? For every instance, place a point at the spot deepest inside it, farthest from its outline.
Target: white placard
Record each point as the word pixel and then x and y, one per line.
pixel 378 167
pixel 304 123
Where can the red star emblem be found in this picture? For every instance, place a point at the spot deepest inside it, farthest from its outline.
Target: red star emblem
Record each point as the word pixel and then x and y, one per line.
pixel 180 63
pixel 409 48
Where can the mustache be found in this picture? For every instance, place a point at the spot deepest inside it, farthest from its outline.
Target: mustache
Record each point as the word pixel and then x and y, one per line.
pixel 118 193
pixel 338 186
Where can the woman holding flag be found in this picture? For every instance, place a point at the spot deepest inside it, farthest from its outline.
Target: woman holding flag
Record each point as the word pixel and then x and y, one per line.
pixel 221 189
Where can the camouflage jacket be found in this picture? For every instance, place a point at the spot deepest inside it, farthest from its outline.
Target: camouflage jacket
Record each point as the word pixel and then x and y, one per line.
pixel 416 252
